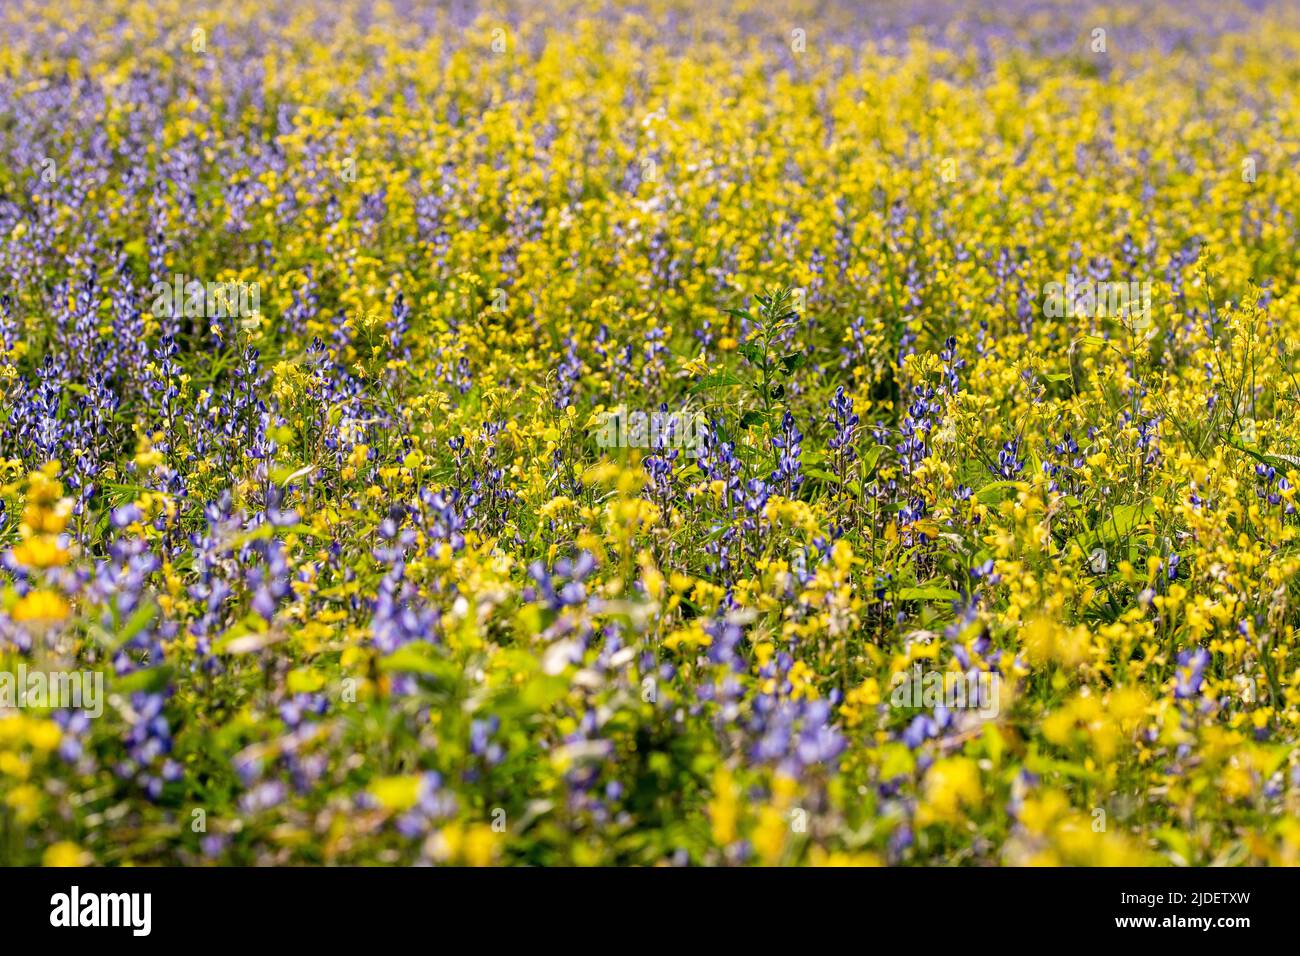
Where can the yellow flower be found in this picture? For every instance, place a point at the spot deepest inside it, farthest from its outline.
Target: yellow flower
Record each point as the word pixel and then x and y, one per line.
pixel 41 606
pixel 770 835
pixel 25 801
pixel 950 785
pixel 479 845
pixel 723 808
pixel 64 854
pixel 12 765
pixel 1047 640
pixel 43 734
pixel 40 551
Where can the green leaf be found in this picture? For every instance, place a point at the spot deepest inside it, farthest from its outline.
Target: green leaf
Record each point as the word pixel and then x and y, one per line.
pixel 896 761
pixel 871 459
pixel 1123 520
pixel 996 491
pixel 137 622
pixel 716 380
pixel 929 592
pixel 994 744
pixel 1280 462
pixel 150 680
pixel 287 474
pixel 1037 763
pixel 752 351
pixel 268 530
pixel 418 658
pixel 1178 844
pixel 304 680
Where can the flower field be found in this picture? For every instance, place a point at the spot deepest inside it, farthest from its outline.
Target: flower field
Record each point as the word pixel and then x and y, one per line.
pixel 577 433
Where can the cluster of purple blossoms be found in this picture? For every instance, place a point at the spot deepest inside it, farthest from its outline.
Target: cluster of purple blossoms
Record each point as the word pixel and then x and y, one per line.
pixel 789 446
pixel 148 746
pixel 1191 666
pixel 562 586
pixel 844 423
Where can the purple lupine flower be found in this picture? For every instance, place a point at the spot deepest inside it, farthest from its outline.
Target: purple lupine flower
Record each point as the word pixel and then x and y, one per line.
pixel 1190 672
